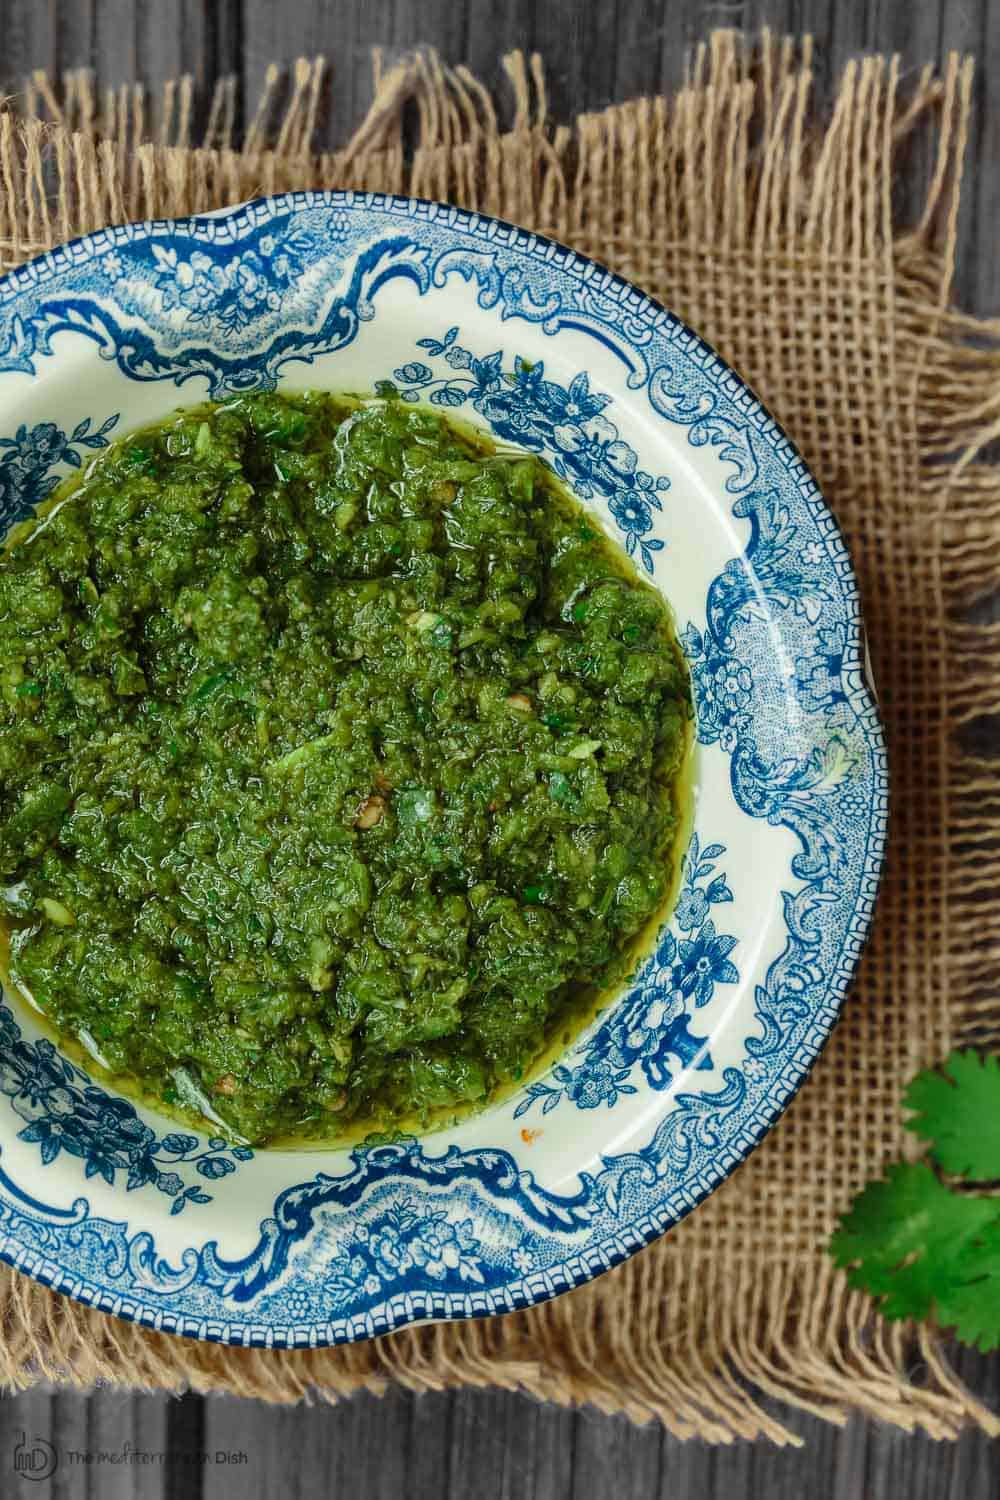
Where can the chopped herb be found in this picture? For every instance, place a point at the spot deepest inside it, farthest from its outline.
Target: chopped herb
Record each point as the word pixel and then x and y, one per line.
pixel 322 687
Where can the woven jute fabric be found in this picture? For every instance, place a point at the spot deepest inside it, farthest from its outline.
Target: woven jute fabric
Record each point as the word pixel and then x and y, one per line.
pixel 773 232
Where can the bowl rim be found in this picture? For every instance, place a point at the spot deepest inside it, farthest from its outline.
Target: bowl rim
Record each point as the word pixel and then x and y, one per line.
pixel 248 1334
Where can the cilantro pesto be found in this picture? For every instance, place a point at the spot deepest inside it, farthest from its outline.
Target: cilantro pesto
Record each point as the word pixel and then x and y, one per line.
pixel 338 760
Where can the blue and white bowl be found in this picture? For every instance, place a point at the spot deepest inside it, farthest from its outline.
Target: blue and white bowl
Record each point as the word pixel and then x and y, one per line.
pixel 683 1075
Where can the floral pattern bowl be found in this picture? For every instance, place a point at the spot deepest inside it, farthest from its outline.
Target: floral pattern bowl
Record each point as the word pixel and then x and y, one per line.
pixel 686 1070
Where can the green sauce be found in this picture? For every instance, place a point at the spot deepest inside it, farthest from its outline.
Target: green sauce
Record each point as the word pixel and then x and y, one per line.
pixel 340 760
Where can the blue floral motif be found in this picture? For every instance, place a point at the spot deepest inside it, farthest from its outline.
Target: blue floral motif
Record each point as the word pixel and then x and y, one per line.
pixel 298 1305
pixel 522 1259
pixel 198 282
pixel 566 423
pixel 404 1243
pixel 215 1166
pixel 632 505
pixel 650 1026
pixel 64 1112
pixel 706 424
pixel 178 1144
pixel 598 1082
pixel 788 790
pixel 412 374
pixel 29 460
pixel 649 1029
pixel 704 963
pixel 692 908
pixel 854 801
pixel 723 689
pixel 818 676
pixel 236 291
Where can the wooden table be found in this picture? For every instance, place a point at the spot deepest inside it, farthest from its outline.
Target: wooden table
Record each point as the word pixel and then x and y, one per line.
pixel 482 1443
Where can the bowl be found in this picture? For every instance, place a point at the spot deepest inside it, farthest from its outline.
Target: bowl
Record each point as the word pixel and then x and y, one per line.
pixel 687 1069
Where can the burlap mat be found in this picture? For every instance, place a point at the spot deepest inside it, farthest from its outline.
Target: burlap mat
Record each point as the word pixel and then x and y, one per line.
pixel 775 236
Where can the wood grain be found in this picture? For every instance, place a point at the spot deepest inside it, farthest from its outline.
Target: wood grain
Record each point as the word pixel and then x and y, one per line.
pixel 495 1445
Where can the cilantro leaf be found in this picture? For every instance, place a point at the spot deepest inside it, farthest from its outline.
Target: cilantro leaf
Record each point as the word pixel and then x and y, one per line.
pixel 958 1111
pixel 972 1306
pixel 913 1242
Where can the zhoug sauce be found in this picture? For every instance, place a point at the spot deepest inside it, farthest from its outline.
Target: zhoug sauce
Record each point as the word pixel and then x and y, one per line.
pixel 339 757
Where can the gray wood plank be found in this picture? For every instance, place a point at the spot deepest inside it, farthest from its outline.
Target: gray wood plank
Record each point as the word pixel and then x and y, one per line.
pixel 28 33
pixel 69 1426
pixel 130 40
pixel 273 1439
pixel 26 1431
pixel 346 35
pixel 499 1445
pixel 520 1449
pixel 109 1445
pixel 302 1450
pixel 509 1447
pixel 606 1448
pixel 135 1426
pixel 430 1423
pixel 124 40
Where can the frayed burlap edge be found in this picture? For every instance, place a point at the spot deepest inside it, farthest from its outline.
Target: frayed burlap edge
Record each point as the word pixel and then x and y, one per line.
pixel 731 169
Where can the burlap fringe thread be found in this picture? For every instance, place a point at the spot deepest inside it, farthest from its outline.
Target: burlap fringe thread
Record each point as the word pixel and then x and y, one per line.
pixel 778 240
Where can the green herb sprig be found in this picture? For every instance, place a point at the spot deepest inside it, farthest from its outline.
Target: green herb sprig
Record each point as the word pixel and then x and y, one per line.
pixel 926 1240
